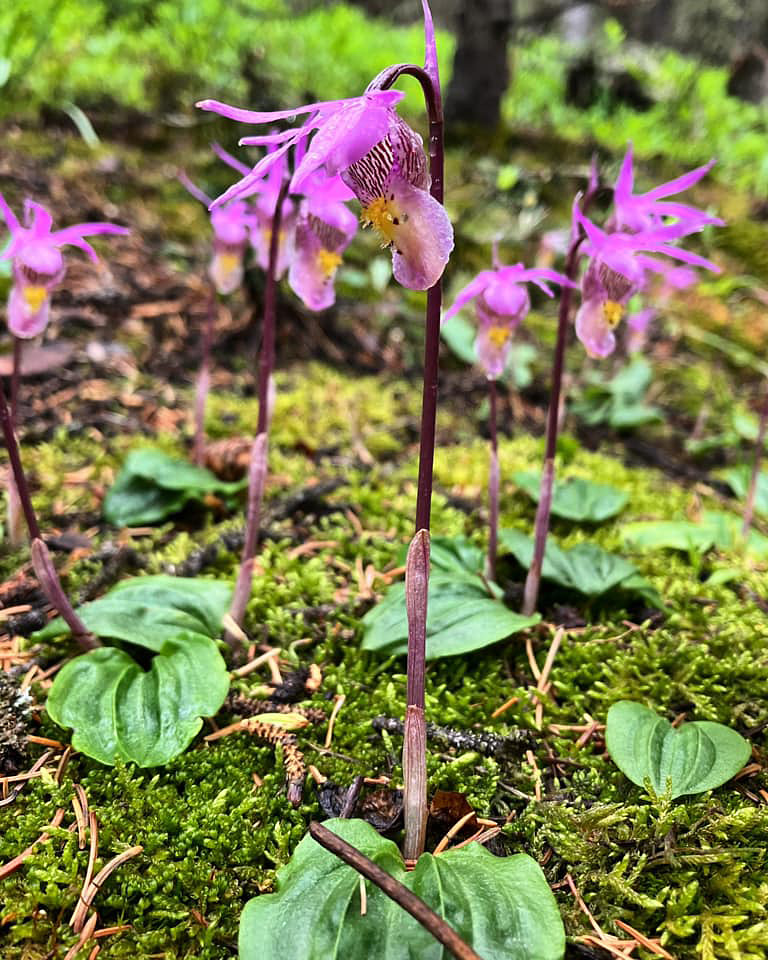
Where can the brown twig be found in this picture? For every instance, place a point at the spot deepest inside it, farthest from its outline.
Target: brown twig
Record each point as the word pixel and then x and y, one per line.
pixel 395 890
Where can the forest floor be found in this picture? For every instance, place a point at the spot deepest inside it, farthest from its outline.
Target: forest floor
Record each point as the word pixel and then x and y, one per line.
pixel 116 374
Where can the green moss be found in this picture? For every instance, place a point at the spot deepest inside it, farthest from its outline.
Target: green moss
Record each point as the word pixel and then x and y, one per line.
pixel 692 872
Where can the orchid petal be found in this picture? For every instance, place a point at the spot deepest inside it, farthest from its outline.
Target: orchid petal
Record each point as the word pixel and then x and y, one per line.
pixel 430 49
pixel 11 220
pixel 423 242
pixel 593 331
pixel 231 161
pixel 678 184
pixel 473 289
pixel 622 189
pixel 386 97
pixel 191 188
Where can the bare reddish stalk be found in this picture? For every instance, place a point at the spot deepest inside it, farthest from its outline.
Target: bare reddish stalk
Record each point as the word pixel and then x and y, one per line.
pixel 415 729
pixel 259 452
pixel 415 740
pixel 395 890
pixel 533 580
pixel 41 560
pixel 749 505
pixel 493 482
pixel 204 379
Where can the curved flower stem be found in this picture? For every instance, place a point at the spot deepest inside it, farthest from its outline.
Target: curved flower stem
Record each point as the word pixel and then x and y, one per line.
pixel 415 732
pixel 41 560
pixel 493 482
pixel 258 468
pixel 533 580
pixel 204 379
pixel 749 505
pixel 395 890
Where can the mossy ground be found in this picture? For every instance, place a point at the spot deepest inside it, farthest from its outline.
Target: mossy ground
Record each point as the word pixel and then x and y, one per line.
pixel 692 871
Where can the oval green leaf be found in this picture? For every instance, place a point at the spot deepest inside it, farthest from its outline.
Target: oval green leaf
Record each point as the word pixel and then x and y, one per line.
pixel 461 617
pixel 152 485
pixel 502 906
pixel 118 711
pixel 149 611
pixel 697 756
pixel 576 499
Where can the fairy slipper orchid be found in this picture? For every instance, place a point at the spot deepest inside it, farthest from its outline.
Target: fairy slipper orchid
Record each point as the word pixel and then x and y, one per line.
pixel 379 157
pixel 38 264
pixel 230 224
pixel 645 211
pixel 617 269
pixel 324 229
pixel 501 304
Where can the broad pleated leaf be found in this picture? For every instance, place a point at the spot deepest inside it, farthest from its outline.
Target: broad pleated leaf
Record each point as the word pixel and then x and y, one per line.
pixel 695 757
pixel 502 906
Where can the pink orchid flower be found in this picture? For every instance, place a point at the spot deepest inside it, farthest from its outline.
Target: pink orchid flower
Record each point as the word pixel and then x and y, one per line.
pixel 501 304
pixel 230 224
pixel 645 211
pixel 38 264
pixel 266 192
pixel 379 157
pixel 617 270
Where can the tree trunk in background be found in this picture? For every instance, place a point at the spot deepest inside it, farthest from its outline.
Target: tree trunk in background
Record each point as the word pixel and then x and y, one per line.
pixel 480 65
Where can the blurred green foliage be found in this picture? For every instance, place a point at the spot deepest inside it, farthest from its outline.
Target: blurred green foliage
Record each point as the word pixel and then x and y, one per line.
pixel 163 56
pixel 691 121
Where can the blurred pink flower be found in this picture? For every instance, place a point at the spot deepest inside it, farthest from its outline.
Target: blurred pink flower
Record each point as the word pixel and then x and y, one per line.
pixel 501 304
pixel 38 264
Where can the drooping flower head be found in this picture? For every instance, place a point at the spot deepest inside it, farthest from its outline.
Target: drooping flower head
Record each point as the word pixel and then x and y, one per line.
pixel 324 229
pixel 38 264
pixel 501 304
pixel 265 193
pixel 377 155
pixel 634 213
pixel 230 224
pixel 312 238
pixel 617 269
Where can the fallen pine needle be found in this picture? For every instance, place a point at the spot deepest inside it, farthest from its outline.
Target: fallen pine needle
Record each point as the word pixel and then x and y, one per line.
pixel 14 864
pixel 452 832
pixel 653 945
pixel 87 898
pixel 337 705
pixel 85 936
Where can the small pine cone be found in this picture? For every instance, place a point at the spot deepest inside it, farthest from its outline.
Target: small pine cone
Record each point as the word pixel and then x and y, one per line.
pixel 229 458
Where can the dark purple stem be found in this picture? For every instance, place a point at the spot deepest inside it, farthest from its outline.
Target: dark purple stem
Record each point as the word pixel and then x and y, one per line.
pixel 258 468
pixel 204 379
pixel 395 890
pixel 493 482
pixel 532 581
pixel 15 379
pixel 415 738
pixel 41 561
pixel 749 506
pixel 267 355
